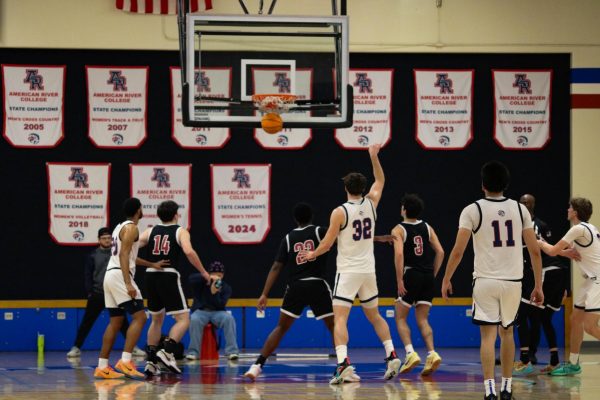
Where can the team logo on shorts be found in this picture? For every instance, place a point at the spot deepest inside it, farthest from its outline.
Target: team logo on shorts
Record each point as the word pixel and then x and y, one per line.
pixel 363 140
pixel 444 140
pixel 161 177
pixel 118 81
pixel 522 83
pixel 201 139
pixel 522 141
pixel 363 83
pixel 202 81
pixel 36 82
pixel 241 177
pixel 501 213
pixel 282 140
pixel 117 138
pixel 78 236
pixel 33 138
pixel 79 177
pixel 444 84
pixel 282 82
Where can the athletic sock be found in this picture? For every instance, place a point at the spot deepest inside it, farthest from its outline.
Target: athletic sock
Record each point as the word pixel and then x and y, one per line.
pixel 554 357
pixel 409 349
pixel 102 363
pixel 524 356
pixel 261 361
pixel 170 345
pixel 152 353
pixel 389 347
pixel 125 356
pixel 574 358
pixel 490 387
pixel 342 353
pixel 506 385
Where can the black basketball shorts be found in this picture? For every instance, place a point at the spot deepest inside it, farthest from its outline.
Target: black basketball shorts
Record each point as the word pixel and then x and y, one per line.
pixel 314 293
pixel 555 284
pixel 420 287
pixel 164 292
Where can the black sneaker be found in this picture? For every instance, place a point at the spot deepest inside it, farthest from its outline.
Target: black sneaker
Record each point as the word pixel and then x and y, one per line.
pixel 491 396
pixel 505 395
pixel 343 370
pixel 168 360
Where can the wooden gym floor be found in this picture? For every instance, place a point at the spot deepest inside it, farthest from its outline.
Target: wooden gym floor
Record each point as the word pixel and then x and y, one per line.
pixel 287 376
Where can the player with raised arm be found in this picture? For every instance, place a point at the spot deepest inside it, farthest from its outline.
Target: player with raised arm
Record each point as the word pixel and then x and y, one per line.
pixel 498 226
pixel 353 225
pixel 586 312
pixel 418 256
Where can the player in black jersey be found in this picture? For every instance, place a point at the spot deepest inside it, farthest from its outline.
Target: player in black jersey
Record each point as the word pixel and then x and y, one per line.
pixel 418 256
pixel 531 316
pixel 163 286
pixel 306 285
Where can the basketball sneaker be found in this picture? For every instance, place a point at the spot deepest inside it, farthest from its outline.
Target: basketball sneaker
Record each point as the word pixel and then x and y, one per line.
pixel 432 362
pixel 342 371
pixel 129 369
pixel 137 352
pixel 393 366
pixel 352 378
pixel 520 369
pixel 169 360
pixel 151 369
pixel 253 372
pixel 107 373
pixel 491 396
pixel 74 352
pixel 566 369
pixel 411 361
pixel 549 368
pixel 505 395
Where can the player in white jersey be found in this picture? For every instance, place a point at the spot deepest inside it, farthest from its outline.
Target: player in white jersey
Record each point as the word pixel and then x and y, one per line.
pixel 121 294
pixel 353 225
pixel 586 312
pixel 498 226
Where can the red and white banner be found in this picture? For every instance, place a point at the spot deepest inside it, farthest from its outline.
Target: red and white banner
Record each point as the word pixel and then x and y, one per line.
pixel 372 109
pixel 33 97
pixel 160 6
pixel 278 80
pixel 117 106
pixel 155 183
pixel 444 108
pixel 522 101
pixel 241 202
pixel 77 201
pixel 213 82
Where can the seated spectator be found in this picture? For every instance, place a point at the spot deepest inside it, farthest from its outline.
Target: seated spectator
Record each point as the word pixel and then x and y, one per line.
pixel 209 306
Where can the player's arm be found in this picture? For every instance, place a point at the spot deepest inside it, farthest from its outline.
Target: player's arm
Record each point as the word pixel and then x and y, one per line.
pixel 384 238
pixel 536 264
pixel 377 186
pixel 186 245
pixel 576 232
pixel 148 264
pixel 456 255
pixel 434 241
pixel 335 222
pixel 128 236
pixel 271 279
pixel 398 233
pixel 145 237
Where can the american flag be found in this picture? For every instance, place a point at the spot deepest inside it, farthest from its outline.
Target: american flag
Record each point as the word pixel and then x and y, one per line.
pixel 160 6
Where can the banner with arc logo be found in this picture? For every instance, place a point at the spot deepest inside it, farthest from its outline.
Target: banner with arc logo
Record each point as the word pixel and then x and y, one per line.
pixel 77 201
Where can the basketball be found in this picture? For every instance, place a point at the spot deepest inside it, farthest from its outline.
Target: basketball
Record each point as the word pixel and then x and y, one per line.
pixel 272 123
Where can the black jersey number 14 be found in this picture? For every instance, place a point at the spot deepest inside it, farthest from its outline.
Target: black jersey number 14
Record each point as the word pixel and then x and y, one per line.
pixel 161 245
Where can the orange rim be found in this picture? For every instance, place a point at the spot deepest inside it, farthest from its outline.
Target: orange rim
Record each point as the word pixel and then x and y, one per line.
pixel 286 98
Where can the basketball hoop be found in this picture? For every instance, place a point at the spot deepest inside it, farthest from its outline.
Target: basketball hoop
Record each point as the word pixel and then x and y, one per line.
pixel 273 103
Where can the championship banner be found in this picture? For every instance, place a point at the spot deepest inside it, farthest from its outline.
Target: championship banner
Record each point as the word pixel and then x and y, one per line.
pixel 278 80
pixel 444 101
pixel 213 82
pixel 117 106
pixel 372 109
pixel 522 101
pixel 33 104
pixel 155 183
pixel 77 202
pixel 241 205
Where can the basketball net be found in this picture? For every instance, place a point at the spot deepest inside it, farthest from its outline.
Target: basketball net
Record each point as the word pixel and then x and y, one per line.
pixel 273 103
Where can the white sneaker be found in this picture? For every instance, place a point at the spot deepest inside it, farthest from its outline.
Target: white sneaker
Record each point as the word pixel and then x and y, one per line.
pixel 151 369
pixel 74 352
pixel 253 372
pixel 168 360
pixel 191 356
pixel 233 357
pixel 352 378
pixel 137 352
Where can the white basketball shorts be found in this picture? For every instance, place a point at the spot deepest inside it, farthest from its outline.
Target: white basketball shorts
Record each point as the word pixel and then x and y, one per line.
pixel 115 292
pixel 495 302
pixel 588 297
pixel 350 284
